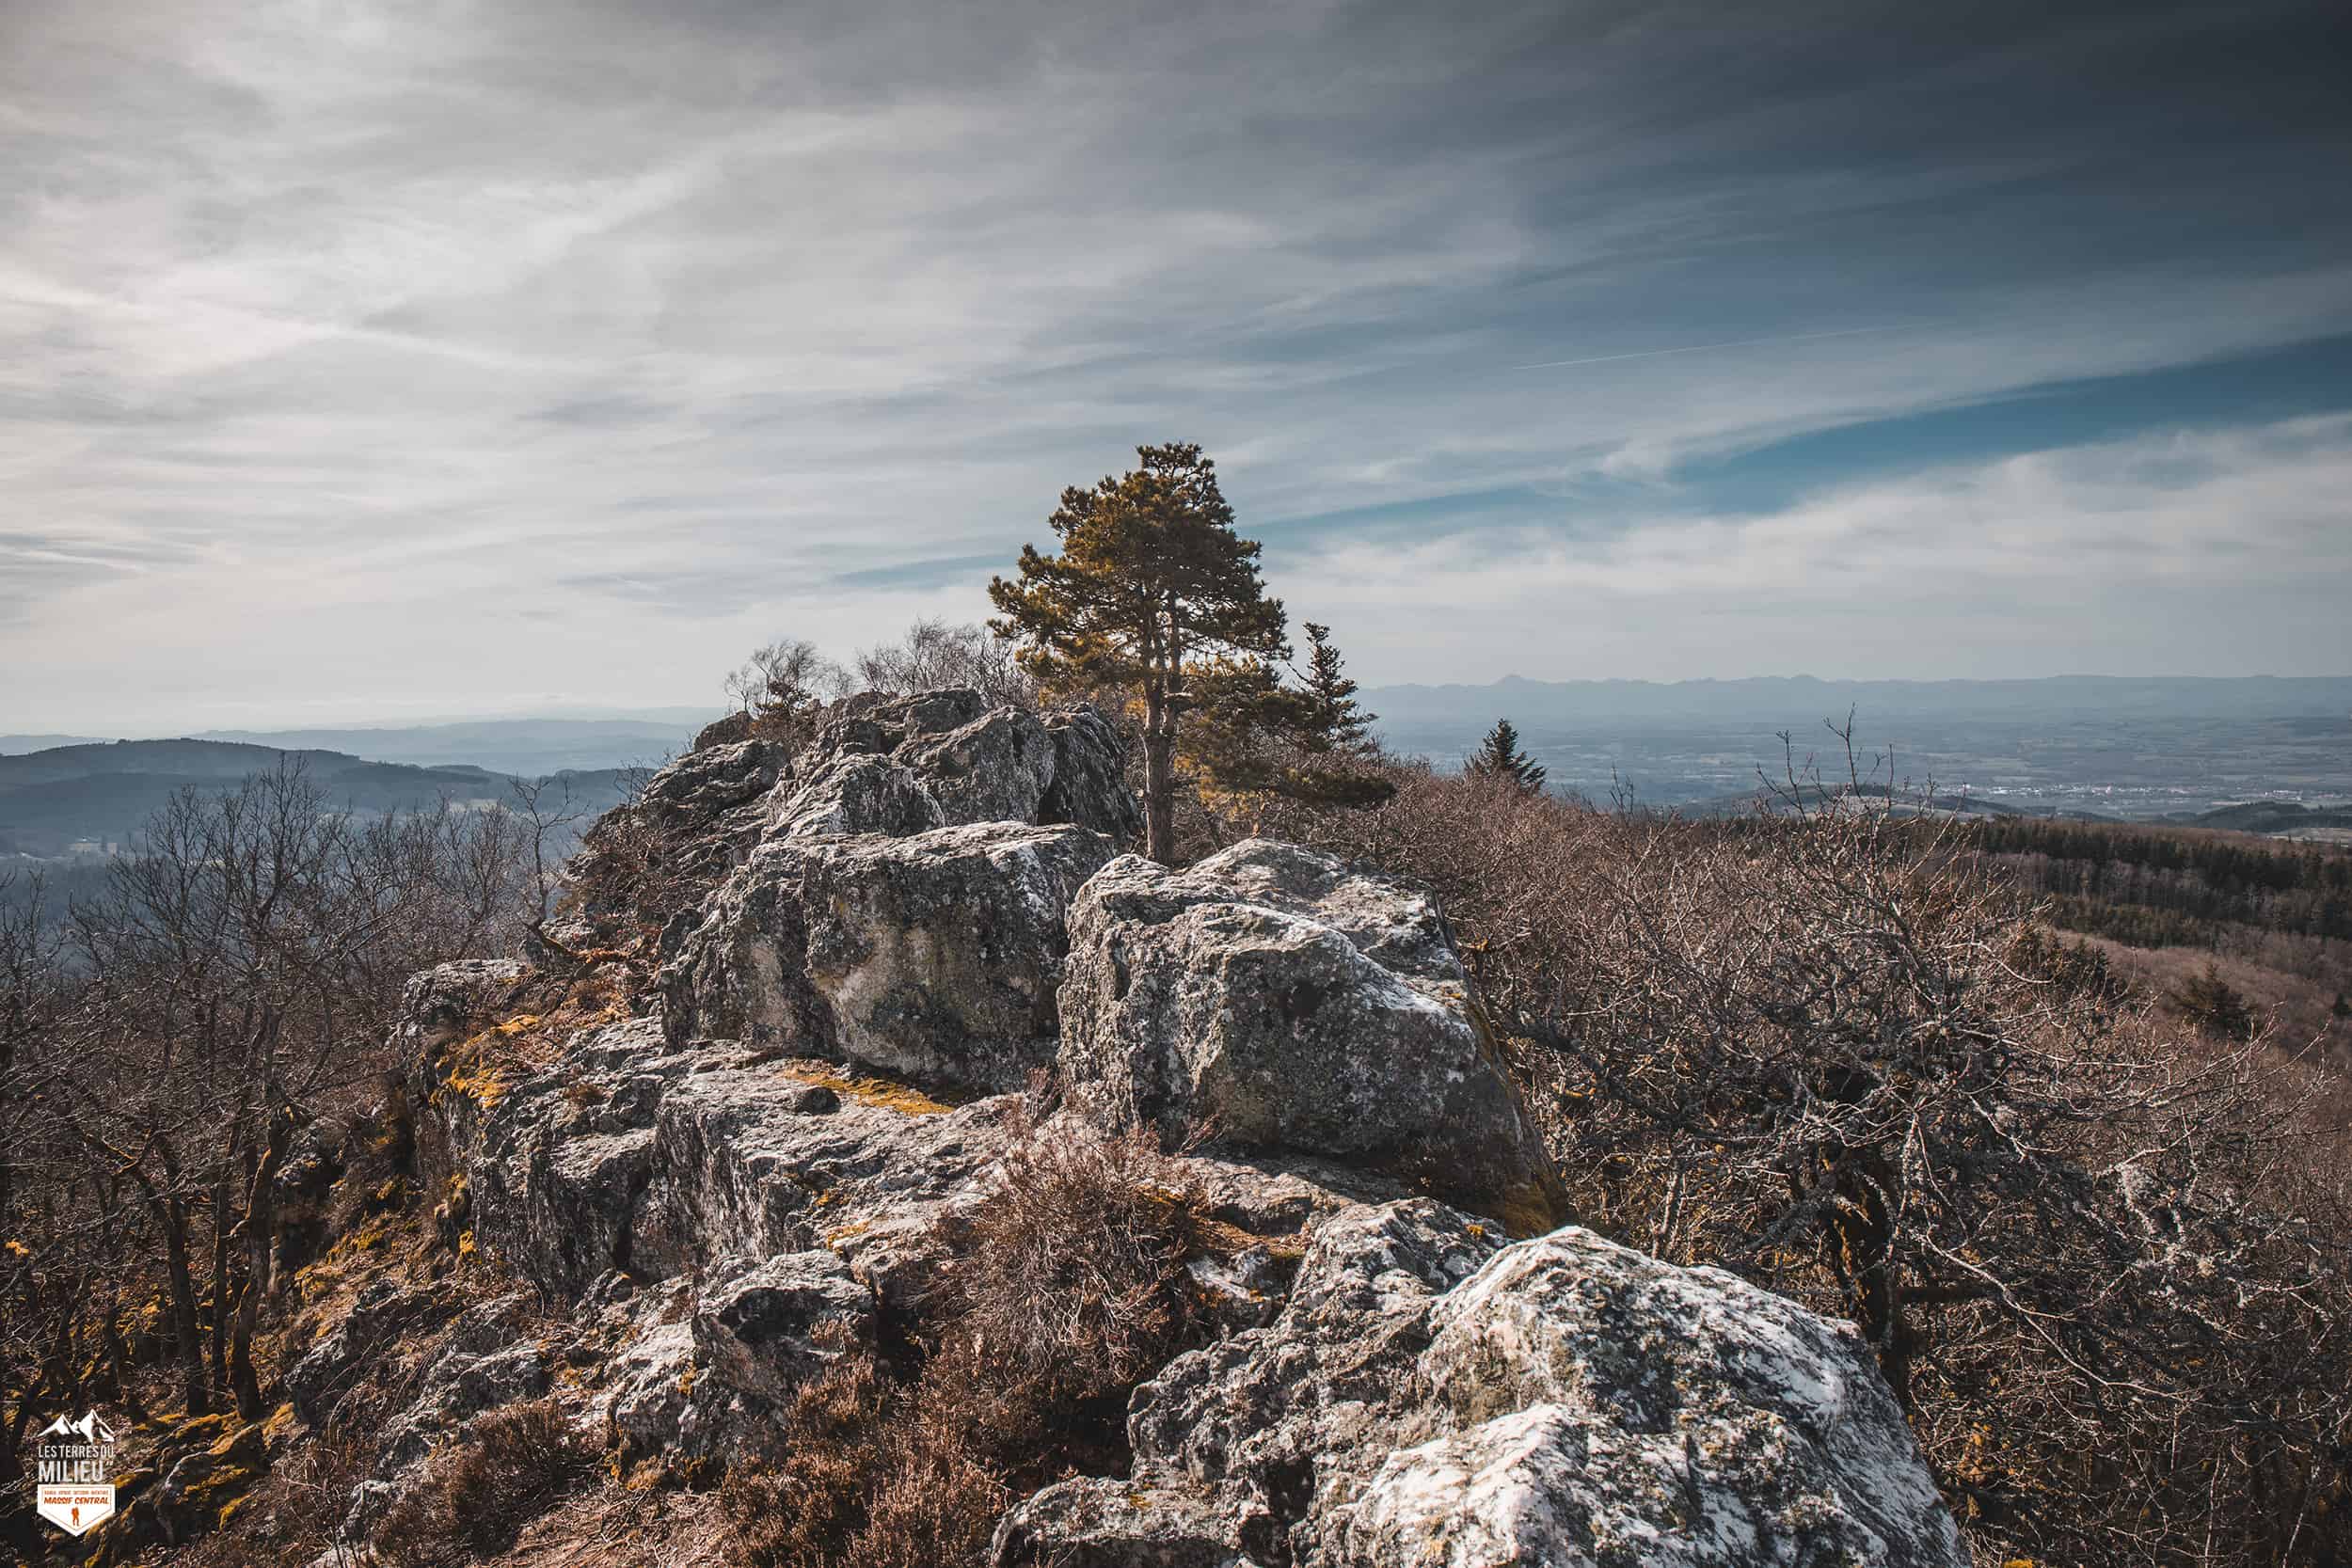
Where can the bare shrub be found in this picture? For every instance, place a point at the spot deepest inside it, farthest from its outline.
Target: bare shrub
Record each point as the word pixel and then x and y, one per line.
pixel 2099 1257
pixel 477 1495
pixel 1074 1282
pixel 1069 1288
pixel 228 981
pixel 784 680
pixel 297 1511
pixel 936 654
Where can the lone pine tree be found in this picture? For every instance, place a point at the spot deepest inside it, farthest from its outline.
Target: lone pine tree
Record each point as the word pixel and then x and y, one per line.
pixel 1334 721
pixel 1151 578
pixel 1498 757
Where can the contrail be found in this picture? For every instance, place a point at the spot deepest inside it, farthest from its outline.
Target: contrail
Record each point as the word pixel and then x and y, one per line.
pixel 1702 348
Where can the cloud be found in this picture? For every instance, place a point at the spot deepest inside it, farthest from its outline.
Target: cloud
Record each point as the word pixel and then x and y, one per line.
pixel 2186 552
pixel 549 345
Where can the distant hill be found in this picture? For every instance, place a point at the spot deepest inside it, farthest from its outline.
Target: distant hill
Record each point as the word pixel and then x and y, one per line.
pixel 52 800
pixel 2266 817
pixel 532 747
pixel 15 745
pixel 529 747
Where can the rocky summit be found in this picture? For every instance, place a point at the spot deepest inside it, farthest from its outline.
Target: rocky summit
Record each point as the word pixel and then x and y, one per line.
pixel 915 945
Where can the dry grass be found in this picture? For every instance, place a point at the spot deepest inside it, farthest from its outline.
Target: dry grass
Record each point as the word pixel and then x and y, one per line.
pixel 478 1493
pixel 1070 1287
pixel 296 1512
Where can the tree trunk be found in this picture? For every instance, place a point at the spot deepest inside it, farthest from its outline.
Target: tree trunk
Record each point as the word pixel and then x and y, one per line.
pixel 220 1282
pixel 118 1355
pixel 260 1221
pixel 171 1218
pixel 1159 777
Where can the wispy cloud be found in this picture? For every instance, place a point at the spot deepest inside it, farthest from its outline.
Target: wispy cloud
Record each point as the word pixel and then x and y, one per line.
pixel 2211 553
pixel 380 354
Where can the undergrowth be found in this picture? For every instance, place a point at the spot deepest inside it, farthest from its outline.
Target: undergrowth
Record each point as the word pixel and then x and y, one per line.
pixel 1070 1286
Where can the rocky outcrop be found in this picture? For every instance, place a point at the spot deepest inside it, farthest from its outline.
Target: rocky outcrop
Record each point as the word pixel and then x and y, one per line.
pixel 629 1153
pixel 903 764
pixel 1431 1395
pixel 481 1363
pixel 769 1158
pixel 1279 997
pixel 903 911
pixel 442 1005
pixel 934 957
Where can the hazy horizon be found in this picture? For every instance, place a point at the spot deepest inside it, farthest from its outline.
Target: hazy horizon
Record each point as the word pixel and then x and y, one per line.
pixel 691 713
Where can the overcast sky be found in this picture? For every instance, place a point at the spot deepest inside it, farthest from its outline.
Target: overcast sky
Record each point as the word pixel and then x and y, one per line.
pixel 389 358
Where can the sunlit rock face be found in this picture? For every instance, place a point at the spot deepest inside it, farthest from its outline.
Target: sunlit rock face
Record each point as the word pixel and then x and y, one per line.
pixel 1279 997
pixel 903 911
pixel 1431 1395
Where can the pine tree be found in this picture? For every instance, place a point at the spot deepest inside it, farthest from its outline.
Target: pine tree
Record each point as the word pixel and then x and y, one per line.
pixel 1151 580
pixel 1498 757
pixel 1254 734
pixel 1334 721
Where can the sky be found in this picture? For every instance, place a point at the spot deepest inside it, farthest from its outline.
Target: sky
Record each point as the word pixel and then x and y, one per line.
pixel 376 360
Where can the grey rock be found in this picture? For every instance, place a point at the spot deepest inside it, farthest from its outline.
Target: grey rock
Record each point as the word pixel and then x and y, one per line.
pixel 726 730
pixel 1094 1522
pixel 1090 782
pixel 631 1158
pixel 933 957
pixel 857 792
pixel 701 786
pixel 647 1404
pixel 1601 1396
pixel 382 1314
pixel 695 820
pixel 443 1005
pixel 479 1364
pixel 906 764
pixel 1279 997
pixel 1430 1395
pixel 304 1186
pixel 755 1327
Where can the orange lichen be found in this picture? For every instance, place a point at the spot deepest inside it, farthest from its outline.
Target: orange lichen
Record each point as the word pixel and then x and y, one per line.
pixel 884 1092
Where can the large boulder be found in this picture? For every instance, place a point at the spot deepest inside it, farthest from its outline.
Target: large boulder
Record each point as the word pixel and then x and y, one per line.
pixel 1276 996
pixel 707 1367
pixel 1428 1395
pixel 906 764
pixel 933 957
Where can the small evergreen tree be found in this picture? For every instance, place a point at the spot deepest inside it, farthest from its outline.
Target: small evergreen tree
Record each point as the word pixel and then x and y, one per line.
pixel 2212 1005
pixel 1254 734
pixel 1334 721
pixel 1498 757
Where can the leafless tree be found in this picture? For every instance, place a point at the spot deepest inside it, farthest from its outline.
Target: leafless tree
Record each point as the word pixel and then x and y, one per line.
pixel 936 654
pixel 236 975
pixel 785 678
